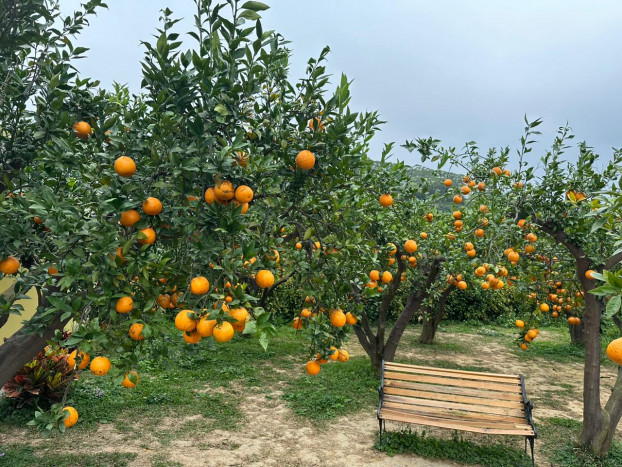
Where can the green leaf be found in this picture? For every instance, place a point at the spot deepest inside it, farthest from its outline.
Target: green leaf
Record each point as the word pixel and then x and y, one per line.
pixel 613 305
pixel 255 6
pixel 250 15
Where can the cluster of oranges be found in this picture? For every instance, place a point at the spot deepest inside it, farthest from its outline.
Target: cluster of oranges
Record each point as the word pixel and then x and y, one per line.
pixel 224 192
pixel 527 336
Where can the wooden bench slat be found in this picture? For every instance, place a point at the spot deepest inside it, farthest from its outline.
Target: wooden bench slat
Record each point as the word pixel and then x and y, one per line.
pixel 423 394
pixel 451 414
pixel 406 367
pixel 514 388
pixel 454 390
pixel 451 405
pixel 388 414
pixel 460 376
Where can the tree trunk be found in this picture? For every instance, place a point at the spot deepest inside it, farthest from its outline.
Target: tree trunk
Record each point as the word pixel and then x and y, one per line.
pixel 577 336
pixel 430 324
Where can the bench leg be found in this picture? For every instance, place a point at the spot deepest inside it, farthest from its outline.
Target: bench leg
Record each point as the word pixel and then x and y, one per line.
pixel 380 430
pixel 532 441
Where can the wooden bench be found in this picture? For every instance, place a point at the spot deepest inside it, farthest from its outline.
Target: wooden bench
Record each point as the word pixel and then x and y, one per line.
pixel 459 400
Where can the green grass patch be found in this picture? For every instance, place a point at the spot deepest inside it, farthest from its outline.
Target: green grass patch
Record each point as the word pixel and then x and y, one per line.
pixel 456 449
pixel 27 456
pixel 339 389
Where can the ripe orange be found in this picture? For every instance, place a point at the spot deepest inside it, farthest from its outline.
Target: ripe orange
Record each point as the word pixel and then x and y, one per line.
pixel 533 333
pixel 129 218
pixel 100 366
pixel 125 166
pixel 240 315
pixel 305 313
pixel 462 285
pixel 374 275
pixel 199 285
pixel 184 321
pixel 588 274
pixel 313 367
pixel 386 200
pixel 205 327
pixel 468 246
pixel 72 418
pixel 529 248
pixel 298 246
pixel 344 356
pixel 152 206
pixel 423 235
pixel 524 346
pixel 297 323
pixel 224 332
pixel 264 279
pixel 465 190
pixel 448 182
pixel 224 190
pixel 192 337
pixel 335 354
pixel 210 195
pixel 513 256
pixel 244 194
pixel 479 233
pixel 481 186
pixel 150 236
pixel 386 277
pixel 520 323
pixel 136 332
pixel 497 170
pixel 480 271
pixel 82 129
pixel 457 199
pixel 74 357
pixel 371 284
pixel 351 319
pixel 305 160
pixel 410 246
pixel 338 319
pixel 124 305
pixel 614 351
pixel 485 285
pixel 127 382
pixel 544 307
pixel 37 220
pixel 9 265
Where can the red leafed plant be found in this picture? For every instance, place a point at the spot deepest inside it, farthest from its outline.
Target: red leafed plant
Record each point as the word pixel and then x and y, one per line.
pixel 43 380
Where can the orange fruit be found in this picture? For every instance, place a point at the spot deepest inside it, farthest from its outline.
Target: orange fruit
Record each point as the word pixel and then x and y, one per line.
pixel 351 319
pixel 462 285
pixel 149 234
pixel 124 305
pixel 544 307
pixel 100 366
pixel 244 194
pixel 497 170
pixel 614 351
pixel 533 333
pixel 199 285
pixel 374 275
pixel 264 279
pixel 37 220
pixel 184 321
pixel 244 207
pixel 423 235
pixel 305 313
pixel 313 367
pixel 240 315
pixel 127 382
pixel 448 182
pixel 210 195
pixel 371 284
pixel 513 256
pixel 468 246
pixel 205 327
pixel 9 265
pixel 465 190
pixel 457 215
pixel 298 246
pixel 386 277
pixel 344 356
pixel 224 332
pixel 82 357
pixel 588 274
pixel 129 218
pixel 297 323
pixel 335 354
pixel 520 323
pixel 481 186
pixel 136 331
pixel 485 285
pixel 152 206
pixel 480 271
pixel 529 248
pixel 386 200
pixel 71 419
pixel 457 199
pixel 125 166
pixel 82 129
pixel 524 346
pixel 224 191
pixel 338 319
pixel 192 337
pixel 305 160
pixel 410 246
pixel 479 233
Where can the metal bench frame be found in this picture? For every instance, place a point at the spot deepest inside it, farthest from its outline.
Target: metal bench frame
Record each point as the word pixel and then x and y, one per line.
pixel 528 406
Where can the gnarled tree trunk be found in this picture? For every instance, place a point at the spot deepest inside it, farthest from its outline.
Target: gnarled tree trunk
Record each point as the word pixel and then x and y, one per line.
pixel 431 322
pixel 577 336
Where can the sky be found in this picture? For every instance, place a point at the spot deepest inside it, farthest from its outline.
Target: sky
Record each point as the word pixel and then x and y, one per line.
pixel 454 70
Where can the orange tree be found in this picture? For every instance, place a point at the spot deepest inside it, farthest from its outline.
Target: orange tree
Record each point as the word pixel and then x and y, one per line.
pixel 134 213
pixel 564 201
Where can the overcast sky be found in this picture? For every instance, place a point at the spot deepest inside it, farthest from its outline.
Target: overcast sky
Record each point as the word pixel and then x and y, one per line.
pixel 455 70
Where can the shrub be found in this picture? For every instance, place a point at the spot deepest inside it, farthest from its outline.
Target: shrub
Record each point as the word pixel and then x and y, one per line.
pixel 41 381
pixel 483 306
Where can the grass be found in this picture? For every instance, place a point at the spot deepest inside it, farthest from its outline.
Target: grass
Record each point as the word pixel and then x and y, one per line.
pixel 455 449
pixel 27 456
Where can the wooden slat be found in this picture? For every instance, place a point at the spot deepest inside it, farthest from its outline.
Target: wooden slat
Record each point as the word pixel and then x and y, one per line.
pixel 450 405
pixel 456 374
pixel 452 414
pixel 388 414
pixel 455 390
pixel 456 398
pixel 514 388
pixel 448 370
